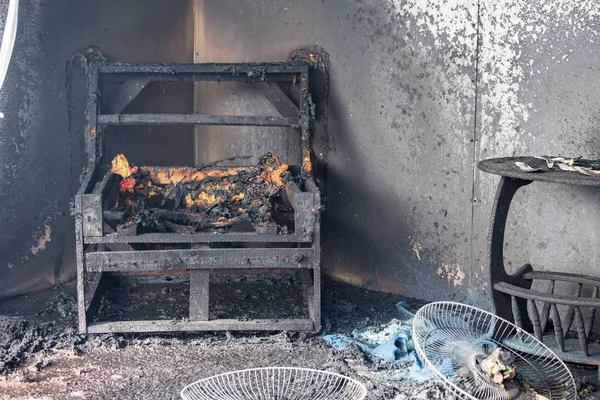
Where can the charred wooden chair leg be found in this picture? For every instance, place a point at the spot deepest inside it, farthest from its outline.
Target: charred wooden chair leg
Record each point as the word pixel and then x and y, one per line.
pixel 501 303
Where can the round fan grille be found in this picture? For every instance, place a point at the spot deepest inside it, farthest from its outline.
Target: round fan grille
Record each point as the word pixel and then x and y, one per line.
pixel 279 383
pixel 452 339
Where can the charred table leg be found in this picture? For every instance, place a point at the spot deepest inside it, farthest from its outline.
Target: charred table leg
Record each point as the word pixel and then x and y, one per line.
pixel 501 302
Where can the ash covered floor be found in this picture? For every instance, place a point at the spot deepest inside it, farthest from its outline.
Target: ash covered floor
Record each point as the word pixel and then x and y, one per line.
pixel 41 356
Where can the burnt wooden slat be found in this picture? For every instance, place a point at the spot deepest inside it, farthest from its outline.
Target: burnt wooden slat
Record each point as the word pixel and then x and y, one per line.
pixel 81 306
pixel 162 260
pixel 306 106
pixel 213 325
pixel 198 77
pixel 309 291
pixel 250 237
pixel 580 326
pixel 316 235
pixel 182 219
pixel 304 207
pixel 196 119
pixel 174 216
pixel 86 183
pixel 507 188
pixel 546 308
pixel 572 354
pixel 265 229
pixel 199 260
pixel 91 130
pixel 316 299
pixel 179 228
pixel 518 285
pixel 199 295
pixel 300 200
pixel 545 316
pixel 516 311
pixel 506 168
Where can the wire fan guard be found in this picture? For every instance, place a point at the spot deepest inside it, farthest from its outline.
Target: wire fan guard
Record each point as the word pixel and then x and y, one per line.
pixel 452 338
pixel 281 383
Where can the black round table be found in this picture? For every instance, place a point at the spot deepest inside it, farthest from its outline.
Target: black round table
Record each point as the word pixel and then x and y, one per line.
pixel 511 294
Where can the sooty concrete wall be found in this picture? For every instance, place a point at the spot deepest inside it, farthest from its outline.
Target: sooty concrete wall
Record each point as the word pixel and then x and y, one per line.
pixel 421 91
pixel 41 159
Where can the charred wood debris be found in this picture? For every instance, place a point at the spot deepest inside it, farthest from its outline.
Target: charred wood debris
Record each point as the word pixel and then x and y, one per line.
pixel 192 199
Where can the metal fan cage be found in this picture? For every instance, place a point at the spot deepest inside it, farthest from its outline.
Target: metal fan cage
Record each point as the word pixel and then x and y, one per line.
pixel 447 334
pixel 277 383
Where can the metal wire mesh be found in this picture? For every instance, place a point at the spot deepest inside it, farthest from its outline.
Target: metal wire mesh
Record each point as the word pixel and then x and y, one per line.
pixel 276 383
pixel 449 337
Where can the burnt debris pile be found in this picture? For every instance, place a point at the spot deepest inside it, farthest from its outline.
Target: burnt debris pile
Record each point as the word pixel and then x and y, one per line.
pixel 193 199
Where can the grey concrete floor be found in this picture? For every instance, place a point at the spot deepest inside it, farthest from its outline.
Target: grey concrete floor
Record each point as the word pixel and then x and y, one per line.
pixel 56 364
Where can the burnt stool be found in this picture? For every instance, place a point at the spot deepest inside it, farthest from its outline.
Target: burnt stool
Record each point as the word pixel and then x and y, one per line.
pixel 549 316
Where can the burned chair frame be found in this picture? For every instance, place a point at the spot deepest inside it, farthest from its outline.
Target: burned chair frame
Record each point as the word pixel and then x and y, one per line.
pixel 101 250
